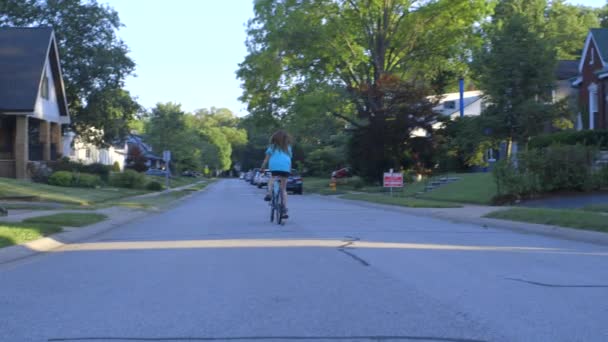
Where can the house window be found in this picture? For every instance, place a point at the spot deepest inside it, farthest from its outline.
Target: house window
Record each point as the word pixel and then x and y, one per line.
pixel 87 153
pixel 592 57
pixel 449 105
pixel 44 87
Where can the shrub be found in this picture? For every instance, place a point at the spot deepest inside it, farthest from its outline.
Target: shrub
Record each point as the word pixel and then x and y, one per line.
pixel 65 164
pixel 556 168
pixel 86 180
pixel 598 138
pixel 39 172
pixel 116 167
pixel 128 179
pixel 61 178
pixel 154 186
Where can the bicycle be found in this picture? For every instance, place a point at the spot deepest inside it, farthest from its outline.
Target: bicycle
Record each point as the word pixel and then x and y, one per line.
pixel 276 202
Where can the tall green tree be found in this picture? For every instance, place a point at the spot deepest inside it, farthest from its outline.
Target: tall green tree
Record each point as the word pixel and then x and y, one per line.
pixel 167 129
pixel 94 60
pixel 359 50
pixel 515 69
pixel 568 25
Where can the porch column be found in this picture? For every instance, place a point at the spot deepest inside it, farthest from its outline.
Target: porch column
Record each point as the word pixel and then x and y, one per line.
pixel 21 147
pixel 45 139
pixel 56 138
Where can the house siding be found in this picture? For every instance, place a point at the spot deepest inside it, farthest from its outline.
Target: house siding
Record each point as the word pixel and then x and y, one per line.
pixel 588 78
pixel 48 109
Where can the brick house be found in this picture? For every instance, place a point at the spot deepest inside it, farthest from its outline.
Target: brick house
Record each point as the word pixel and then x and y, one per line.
pixel 33 106
pixel 592 80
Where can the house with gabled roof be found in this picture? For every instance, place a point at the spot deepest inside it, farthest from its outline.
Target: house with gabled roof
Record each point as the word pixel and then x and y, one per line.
pixel 592 80
pixel 33 105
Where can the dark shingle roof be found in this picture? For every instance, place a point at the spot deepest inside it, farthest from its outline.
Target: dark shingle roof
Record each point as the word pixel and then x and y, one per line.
pixel 23 53
pixel 566 70
pixel 601 40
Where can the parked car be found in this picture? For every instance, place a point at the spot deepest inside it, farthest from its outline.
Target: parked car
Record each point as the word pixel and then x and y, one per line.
pixel 256 172
pixel 156 172
pixel 191 174
pixel 295 183
pixel 342 173
pixel 263 179
pixel 248 176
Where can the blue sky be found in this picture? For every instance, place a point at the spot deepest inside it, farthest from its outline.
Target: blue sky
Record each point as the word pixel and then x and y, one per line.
pixel 188 50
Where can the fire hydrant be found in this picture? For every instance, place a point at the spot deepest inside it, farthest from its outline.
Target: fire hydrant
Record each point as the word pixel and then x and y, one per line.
pixel 332 184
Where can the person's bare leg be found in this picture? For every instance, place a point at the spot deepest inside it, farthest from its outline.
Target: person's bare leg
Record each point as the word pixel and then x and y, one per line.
pixel 269 186
pixel 284 190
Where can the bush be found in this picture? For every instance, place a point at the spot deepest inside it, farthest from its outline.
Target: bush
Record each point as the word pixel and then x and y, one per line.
pixel 556 168
pixel 61 178
pixel 85 180
pixel 598 138
pixel 154 186
pixel 116 167
pixel 128 179
pixel 39 172
pixel 65 164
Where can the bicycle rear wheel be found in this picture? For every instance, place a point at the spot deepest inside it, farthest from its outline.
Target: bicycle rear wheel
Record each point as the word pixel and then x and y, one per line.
pixel 279 208
pixel 272 209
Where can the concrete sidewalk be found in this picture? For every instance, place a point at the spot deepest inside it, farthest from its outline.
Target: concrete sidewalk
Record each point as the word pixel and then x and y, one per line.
pixel 474 214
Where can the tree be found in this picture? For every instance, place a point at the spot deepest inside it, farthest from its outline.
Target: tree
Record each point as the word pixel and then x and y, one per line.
pixel 515 69
pixel 568 25
pixel 94 61
pixel 218 128
pixel 352 48
pixel 167 129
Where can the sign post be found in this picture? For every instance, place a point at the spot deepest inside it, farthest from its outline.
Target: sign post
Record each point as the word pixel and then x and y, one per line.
pixel 167 159
pixel 393 180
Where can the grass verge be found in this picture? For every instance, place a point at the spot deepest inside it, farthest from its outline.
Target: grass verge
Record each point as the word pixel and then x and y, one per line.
pixel 477 188
pixel 155 202
pixel 565 218
pixel 68 219
pixel 79 196
pixel 17 233
pixel 400 201
pixel 597 208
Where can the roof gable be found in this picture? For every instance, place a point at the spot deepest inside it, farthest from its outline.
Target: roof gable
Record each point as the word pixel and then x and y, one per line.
pixel 599 38
pixel 23 55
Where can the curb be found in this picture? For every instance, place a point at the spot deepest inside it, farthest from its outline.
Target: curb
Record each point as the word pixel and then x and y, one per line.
pixel 49 243
pixel 52 242
pixel 579 235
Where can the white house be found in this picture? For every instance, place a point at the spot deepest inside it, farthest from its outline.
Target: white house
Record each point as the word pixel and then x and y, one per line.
pixel 80 151
pixel 449 105
pixel 33 106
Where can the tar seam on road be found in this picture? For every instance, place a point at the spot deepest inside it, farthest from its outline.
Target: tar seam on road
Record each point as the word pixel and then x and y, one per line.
pixel 555 285
pixel 262 338
pixel 346 244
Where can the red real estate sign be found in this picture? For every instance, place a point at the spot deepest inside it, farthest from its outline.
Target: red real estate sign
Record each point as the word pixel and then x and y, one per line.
pixel 393 180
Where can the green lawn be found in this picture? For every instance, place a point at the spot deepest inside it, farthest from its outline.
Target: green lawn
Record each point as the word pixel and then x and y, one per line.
pixel 565 218
pixel 68 219
pixel 49 193
pixel 477 188
pixel 155 202
pixel 16 233
pixel 401 201
pixel 175 181
pixel 597 207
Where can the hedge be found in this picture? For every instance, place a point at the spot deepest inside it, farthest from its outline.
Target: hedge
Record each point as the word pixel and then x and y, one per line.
pixel 128 179
pixel 79 180
pixel 597 138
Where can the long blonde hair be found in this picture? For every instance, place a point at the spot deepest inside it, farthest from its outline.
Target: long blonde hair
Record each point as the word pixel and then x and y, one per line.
pixel 280 139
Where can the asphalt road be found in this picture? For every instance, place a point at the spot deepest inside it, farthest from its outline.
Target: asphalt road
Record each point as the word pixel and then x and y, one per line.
pixel 215 269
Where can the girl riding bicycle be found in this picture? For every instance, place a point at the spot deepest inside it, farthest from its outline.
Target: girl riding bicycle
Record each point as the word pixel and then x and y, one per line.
pixel 278 158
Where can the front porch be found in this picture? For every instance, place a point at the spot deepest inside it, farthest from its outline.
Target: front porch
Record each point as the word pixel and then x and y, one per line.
pixel 24 139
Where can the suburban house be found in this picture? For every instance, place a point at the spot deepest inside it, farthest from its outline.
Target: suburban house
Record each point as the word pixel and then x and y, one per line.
pixel 592 80
pixel 449 104
pixel 33 106
pixel 138 148
pixel 80 151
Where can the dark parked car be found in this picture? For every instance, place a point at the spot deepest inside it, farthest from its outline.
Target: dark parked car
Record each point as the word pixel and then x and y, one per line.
pixel 191 174
pixel 156 172
pixel 255 173
pixel 295 182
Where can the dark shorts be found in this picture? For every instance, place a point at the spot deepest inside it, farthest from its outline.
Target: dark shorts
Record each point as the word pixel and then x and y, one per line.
pixel 279 173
